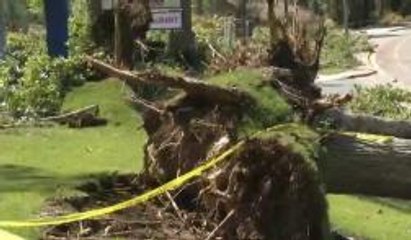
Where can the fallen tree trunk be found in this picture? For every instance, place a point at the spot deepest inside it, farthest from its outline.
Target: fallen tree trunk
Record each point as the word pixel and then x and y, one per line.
pixel 354 164
pixel 368 124
pixel 271 186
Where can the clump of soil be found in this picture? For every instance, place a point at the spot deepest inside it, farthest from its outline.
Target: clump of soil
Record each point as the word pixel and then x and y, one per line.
pixel 156 219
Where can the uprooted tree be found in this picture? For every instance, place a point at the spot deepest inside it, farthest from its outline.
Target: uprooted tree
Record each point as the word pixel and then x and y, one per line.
pixel 271 188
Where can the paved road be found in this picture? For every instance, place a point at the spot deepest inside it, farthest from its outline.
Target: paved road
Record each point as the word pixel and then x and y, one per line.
pixel 394 56
pixel 392 60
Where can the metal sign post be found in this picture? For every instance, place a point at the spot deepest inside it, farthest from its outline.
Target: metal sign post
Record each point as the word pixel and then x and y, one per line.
pixel 57 15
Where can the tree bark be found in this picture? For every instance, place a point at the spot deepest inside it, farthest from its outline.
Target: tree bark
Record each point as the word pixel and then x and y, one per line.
pixel 2 32
pixel 346 8
pixel 354 165
pixel 368 124
pixel 286 8
pixel 200 7
pixel 182 42
pixel 123 39
pixel 272 21
pixel 242 14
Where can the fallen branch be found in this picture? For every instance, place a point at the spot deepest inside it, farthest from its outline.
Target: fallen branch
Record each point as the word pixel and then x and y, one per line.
pixel 84 117
pixel 92 109
pixel 221 225
pixel 193 87
pixel 175 207
pixel 146 104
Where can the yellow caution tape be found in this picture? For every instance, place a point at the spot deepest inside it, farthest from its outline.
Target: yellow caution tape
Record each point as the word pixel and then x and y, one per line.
pixel 172 185
pixel 373 138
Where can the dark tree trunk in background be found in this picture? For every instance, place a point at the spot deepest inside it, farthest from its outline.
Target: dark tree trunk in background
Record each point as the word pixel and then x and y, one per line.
pixel 378 8
pixel 131 20
pixel 2 33
pixel 123 39
pixel 242 25
pixel 346 8
pixel 182 42
pixel 286 6
pixel 102 25
pixel 271 20
pixel 200 7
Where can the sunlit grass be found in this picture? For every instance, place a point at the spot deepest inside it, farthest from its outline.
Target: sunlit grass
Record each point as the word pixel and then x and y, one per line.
pixel 371 218
pixel 38 163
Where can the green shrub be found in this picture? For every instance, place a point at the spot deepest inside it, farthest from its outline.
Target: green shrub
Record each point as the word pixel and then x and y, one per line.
pixel 35 11
pixel 20 46
pixel 38 92
pixel 33 84
pixel 80 28
pixel 210 30
pixel 383 101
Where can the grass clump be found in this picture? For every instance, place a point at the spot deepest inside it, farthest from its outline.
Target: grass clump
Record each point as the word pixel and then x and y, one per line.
pixel 392 18
pixel 340 48
pixel 270 108
pixel 382 101
pixel 300 138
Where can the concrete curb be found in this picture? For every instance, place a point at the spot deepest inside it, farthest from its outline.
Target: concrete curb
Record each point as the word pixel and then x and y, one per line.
pixel 355 73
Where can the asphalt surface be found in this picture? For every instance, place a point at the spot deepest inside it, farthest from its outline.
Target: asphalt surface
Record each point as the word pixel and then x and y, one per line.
pixel 394 56
pixel 391 63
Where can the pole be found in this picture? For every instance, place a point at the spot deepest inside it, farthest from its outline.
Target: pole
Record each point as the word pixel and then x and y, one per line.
pixel 182 42
pixel 2 34
pixel 346 16
pixel 57 14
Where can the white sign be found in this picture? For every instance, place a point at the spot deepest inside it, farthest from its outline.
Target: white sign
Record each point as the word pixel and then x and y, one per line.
pixel 167 19
pixel 165 3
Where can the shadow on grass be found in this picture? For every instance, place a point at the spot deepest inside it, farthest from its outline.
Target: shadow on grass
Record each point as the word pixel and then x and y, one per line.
pixel 397 204
pixel 17 178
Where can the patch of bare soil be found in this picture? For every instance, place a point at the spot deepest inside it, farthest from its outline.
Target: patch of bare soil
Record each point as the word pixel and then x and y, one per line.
pixel 161 218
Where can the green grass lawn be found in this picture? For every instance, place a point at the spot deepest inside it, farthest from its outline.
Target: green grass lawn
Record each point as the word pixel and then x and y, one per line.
pixel 38 163
pixel 371 218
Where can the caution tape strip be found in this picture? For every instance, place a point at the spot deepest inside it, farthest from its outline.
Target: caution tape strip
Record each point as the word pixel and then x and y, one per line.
pixel 371 138
pixel 171 185
pixel 92 214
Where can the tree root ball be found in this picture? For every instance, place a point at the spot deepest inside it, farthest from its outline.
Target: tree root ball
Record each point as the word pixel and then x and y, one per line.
pixel 273 192
pixel 267 190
